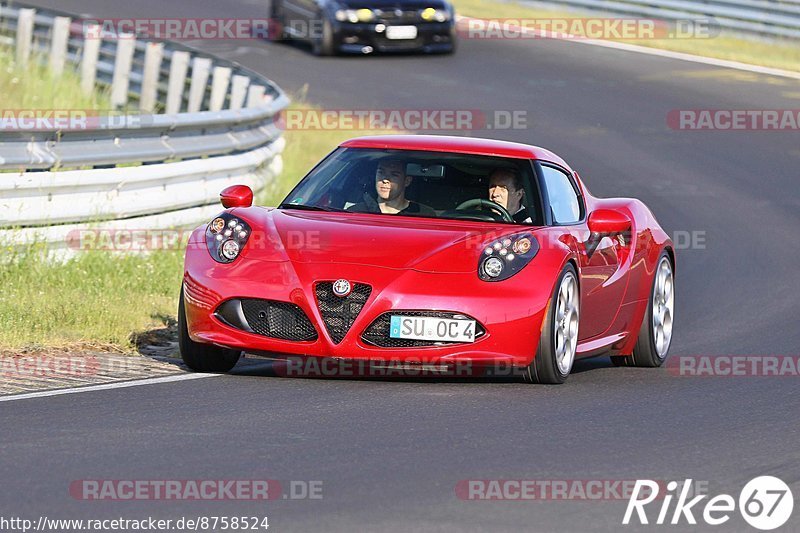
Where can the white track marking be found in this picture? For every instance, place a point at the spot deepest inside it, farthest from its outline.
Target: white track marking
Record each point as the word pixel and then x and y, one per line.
pixel 106 386
pixel 692 58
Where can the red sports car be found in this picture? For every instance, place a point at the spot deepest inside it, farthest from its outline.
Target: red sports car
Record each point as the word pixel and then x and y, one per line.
pixel 431 250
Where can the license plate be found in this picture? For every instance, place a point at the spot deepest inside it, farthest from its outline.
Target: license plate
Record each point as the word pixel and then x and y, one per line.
pixel 426 328
pixel 401 32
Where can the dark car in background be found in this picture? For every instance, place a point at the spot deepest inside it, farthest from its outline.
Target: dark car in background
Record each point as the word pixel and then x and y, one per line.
pixel 366 26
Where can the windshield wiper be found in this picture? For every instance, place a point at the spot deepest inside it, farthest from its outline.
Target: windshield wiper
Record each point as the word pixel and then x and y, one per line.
pixel 304 207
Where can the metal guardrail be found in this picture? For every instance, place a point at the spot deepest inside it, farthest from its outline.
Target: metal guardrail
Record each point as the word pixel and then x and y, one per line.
pixel 187 125
pixel 771 18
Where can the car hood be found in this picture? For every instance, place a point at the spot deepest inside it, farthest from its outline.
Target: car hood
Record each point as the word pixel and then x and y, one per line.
pixel 374 240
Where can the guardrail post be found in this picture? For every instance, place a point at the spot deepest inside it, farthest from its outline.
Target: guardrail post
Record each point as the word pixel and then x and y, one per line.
pixel 91 51
pixel 201 67
pixel 177 81
pixel 219 87
pixel 24 35
pixel 58 44
pixel 120 83
pixel 153 55
pixel 239 91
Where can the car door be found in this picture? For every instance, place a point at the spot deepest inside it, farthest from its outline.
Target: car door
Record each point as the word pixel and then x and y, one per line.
pixel 602 283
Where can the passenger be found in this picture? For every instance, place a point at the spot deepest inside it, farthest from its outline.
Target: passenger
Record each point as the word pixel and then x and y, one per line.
pixel 506 190
pixel 391 182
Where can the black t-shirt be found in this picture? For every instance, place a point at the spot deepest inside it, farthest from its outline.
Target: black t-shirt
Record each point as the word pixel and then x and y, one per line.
pixel 522 216
pixel 370 205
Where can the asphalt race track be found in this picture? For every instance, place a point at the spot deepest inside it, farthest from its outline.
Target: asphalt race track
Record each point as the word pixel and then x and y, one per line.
pixel 391 452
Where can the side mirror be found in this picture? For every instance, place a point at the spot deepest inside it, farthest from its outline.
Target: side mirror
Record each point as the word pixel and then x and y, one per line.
pixel 236 196
pixel 608 221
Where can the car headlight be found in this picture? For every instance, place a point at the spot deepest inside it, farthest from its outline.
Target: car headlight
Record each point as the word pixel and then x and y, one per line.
pixel 502 258
pixel 226 235
pixel 431 14
pixel 355 15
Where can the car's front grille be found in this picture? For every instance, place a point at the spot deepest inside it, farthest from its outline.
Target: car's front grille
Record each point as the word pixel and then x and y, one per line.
pixel 279 320
pixel 395 16
pixel 377 334
pixel 337 312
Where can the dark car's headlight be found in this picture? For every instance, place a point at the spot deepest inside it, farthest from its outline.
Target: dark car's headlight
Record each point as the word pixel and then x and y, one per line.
pixel 502 258
pixel 226 235
pixel 431 14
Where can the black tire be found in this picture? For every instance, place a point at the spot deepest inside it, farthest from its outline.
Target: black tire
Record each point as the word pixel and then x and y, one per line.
pixel 544 368
pixel 645 354
pixel 202 357
pixel 276 29
pixel 323 45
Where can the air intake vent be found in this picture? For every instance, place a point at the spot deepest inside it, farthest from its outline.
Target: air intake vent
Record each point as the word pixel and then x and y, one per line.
pixel 337 312
pixel 279 320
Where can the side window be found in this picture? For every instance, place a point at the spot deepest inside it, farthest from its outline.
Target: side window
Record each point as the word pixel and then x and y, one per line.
pixel 564 202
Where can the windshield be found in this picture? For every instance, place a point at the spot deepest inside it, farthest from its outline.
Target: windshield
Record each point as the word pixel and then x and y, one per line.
pixel 421 184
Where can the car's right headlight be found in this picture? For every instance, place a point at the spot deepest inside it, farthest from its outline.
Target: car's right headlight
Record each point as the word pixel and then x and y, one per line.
pixel 226 235
pixel 502 258
pixel 431 14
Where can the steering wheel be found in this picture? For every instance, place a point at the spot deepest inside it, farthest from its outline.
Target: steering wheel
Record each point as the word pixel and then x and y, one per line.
pixel 497 208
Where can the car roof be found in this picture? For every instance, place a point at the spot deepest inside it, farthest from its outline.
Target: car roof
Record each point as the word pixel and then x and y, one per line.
pixel 461 145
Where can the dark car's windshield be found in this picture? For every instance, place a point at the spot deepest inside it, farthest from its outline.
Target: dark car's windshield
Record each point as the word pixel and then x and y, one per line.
pixel 422 184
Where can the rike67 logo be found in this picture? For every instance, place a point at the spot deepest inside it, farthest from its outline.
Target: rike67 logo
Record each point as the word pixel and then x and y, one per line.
pixel 765 503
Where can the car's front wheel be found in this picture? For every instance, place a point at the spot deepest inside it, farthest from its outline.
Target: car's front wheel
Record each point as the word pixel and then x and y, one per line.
pixel 322 44
pixel 655 334
pixel 276 27
pixel 559 339
pixel 202 357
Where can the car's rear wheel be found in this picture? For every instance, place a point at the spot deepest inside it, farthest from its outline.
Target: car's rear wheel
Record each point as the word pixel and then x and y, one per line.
pixel 559 339
pixel 202 357
pixel 655 335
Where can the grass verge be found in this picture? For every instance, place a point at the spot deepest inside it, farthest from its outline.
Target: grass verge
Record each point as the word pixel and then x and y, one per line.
pixel 783 54
pixel 96 299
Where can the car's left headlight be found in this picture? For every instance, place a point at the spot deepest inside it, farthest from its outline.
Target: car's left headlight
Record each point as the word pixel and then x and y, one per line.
pixel 430 14
pixel 226 235
pixel 502 258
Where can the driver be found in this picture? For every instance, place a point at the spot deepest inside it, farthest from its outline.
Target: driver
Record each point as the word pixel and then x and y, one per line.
pixel 506 190
pixel 391 182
